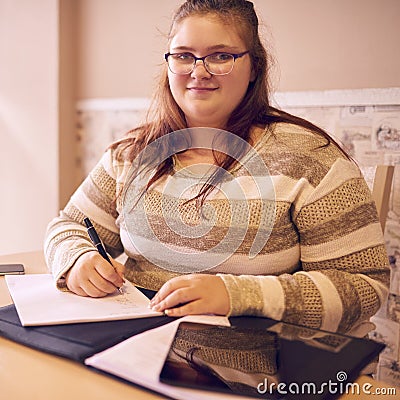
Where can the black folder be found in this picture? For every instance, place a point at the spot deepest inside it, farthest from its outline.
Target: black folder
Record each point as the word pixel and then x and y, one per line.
pixel 263 358
pixel 74 341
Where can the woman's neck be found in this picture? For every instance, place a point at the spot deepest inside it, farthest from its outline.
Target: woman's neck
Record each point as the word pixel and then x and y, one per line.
pixel 196 156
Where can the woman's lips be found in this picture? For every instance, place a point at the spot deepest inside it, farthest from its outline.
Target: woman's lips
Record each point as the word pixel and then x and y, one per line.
pixel 202 89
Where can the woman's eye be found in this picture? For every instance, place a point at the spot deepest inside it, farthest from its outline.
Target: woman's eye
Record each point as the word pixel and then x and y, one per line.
pixel 220 57
pixel 183 57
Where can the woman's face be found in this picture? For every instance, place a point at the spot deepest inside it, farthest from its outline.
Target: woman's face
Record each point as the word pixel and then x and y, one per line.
pixel 208 100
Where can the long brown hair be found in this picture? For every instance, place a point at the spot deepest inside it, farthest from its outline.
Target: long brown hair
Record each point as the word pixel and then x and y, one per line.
pixel 165 116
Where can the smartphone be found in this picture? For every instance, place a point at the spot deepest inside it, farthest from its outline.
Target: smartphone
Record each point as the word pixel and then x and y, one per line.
pixel 12 269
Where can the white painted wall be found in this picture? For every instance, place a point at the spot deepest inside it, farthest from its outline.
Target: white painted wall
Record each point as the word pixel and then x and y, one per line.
pixel 28 122
pixel 113 48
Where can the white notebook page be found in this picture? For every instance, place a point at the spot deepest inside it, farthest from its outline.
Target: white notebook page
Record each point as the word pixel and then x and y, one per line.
pixel 39 302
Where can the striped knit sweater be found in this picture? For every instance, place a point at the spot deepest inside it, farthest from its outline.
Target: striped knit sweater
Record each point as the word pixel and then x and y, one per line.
pixel 324 264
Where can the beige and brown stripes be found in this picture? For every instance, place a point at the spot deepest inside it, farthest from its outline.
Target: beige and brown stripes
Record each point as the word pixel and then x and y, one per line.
pixel 313 310
pixel 372 260
pixel 109 238
pixel 347 222
pixel 240 239
pixel 349 297
pixel 306 167
pixel 293 299
pixel 369 300
pixel 104 182
pixel 339 200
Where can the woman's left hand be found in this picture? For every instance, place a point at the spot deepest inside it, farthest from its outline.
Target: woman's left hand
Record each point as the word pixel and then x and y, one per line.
pixel 192 294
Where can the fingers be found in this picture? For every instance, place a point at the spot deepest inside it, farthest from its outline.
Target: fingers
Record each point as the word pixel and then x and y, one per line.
pixel 109 273
pixel 192 294
pixel 75 289
pixel 120 268
pixel 172 293
pixel 95 277
pixel 92 290
pixel 176 299
pixel 192 308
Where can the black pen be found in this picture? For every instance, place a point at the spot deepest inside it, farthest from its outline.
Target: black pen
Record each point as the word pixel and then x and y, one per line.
pixel 94 237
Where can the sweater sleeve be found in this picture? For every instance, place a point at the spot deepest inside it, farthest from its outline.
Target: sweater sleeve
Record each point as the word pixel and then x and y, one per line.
pixel 344 270
pixel 66 237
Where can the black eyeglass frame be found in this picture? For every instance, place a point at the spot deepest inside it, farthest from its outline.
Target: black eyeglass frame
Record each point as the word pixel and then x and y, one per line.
pixel 195 59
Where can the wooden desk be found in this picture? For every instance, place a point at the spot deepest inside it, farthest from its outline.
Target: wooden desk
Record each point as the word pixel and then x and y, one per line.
pixel 28 373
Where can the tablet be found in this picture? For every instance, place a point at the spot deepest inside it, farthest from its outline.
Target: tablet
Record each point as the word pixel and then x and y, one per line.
pixel 263 358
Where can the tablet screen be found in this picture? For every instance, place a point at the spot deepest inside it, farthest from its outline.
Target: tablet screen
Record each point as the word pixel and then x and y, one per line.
pixel 262 358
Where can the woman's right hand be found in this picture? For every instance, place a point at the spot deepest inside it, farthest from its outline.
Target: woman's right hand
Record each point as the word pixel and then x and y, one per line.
pixel 93 276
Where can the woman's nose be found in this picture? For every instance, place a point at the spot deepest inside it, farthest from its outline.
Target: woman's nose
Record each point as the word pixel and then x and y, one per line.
pixel 200 71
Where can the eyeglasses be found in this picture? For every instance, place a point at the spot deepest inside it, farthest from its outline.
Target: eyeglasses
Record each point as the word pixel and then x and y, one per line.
pixel 215 64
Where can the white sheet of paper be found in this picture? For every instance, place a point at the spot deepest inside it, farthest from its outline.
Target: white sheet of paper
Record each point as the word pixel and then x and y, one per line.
pixel 140 359
pixel 39 302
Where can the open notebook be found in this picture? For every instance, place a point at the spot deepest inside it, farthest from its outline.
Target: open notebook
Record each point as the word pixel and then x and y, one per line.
pixel 39 302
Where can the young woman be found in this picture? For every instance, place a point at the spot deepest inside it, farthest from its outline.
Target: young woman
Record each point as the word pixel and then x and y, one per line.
pixel 322 260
